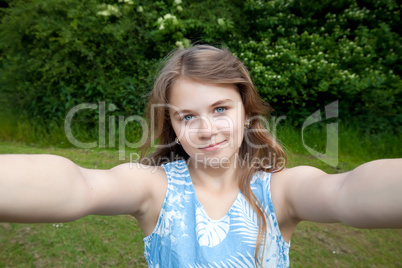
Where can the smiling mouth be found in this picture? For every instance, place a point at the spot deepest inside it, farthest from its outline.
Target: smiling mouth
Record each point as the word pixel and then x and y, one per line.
pixel 212 146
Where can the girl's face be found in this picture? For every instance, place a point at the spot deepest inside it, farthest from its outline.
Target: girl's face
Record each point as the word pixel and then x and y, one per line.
pixel 208 119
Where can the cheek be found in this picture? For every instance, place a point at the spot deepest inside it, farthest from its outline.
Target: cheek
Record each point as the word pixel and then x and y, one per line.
pixel 233 130
pixel 239 134
pixel 187 134
pixel 178 130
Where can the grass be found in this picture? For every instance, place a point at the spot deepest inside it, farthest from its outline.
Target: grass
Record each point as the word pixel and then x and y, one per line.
pixel 337 245
pixel 97 241
pixel 93 241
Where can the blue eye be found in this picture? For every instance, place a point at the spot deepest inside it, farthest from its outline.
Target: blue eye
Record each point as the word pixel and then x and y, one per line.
pixel 220 109
pixel 188 117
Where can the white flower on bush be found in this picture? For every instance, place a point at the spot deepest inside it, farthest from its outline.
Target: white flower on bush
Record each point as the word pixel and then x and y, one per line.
pixel 179 44
pixel 168 17
pixel 184 43
pixel 130 2
pixel 221 22
pixel 177 2
pixel 109 10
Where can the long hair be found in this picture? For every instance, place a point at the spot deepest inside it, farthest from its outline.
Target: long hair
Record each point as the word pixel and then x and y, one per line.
pixel 214 65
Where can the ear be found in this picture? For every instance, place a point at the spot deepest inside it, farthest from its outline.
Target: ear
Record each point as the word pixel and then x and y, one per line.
pixel 247 122
pixel 247 117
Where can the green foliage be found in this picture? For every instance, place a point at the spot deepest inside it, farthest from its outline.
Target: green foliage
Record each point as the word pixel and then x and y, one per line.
pixel 55 54
pixel 305 55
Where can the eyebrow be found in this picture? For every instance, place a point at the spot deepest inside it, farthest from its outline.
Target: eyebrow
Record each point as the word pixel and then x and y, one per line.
pixel 217 103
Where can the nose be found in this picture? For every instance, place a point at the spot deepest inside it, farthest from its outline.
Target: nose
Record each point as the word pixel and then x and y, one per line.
pixel 206 127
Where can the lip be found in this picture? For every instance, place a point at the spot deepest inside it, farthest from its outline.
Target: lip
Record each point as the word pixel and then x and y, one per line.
pixel 212 147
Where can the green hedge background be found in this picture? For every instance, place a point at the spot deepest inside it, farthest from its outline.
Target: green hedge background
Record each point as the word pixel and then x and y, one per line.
pixel 55 54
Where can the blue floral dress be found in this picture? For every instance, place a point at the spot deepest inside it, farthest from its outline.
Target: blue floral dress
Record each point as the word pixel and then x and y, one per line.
pixel 185 236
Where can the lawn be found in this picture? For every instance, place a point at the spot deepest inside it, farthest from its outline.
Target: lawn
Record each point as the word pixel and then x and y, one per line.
pixel 98 241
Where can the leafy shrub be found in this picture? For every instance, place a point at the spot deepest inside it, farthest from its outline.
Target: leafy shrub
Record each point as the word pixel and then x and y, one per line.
pixel 55 54
pixel 305 55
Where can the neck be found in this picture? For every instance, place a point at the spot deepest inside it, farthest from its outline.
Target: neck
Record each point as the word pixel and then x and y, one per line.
pixel 218 177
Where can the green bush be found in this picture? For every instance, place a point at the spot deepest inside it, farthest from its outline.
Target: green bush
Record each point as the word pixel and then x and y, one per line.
pixel 55 54
pixel 305 55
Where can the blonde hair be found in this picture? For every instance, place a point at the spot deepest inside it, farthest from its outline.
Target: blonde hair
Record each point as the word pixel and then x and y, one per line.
pixel 210 64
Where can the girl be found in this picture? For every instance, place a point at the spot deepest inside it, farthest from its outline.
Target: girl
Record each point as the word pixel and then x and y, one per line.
pixel 215 192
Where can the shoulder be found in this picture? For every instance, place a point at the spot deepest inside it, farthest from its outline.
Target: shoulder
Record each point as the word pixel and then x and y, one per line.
pixel 305 193
pixel 283 180
pixel 149 183
pixel 285 186
pixel 291 178
pixel 286 182
pixel 296 173
pixel 144 173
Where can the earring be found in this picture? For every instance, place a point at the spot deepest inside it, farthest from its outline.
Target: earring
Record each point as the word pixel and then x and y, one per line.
pixel 177 140
pixel 247 125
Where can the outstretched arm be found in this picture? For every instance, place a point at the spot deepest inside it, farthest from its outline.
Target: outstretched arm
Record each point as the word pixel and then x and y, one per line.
pixel 48 188
pixel 369 196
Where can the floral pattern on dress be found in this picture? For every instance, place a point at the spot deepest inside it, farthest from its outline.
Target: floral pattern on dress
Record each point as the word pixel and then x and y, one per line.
pixel 185 236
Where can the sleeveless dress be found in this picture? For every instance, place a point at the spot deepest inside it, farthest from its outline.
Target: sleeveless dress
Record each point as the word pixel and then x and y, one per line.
pixel 185 236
